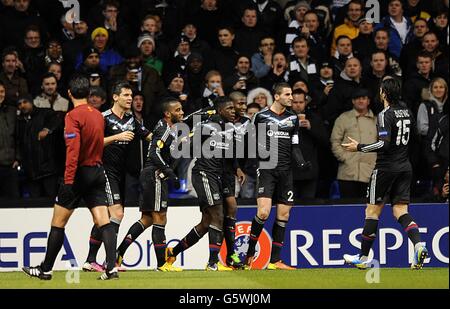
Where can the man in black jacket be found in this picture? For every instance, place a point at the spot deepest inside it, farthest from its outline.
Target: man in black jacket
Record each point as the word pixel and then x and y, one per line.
pixel 9 178
pixel 312 134
pixel 37 147
pixel 340 98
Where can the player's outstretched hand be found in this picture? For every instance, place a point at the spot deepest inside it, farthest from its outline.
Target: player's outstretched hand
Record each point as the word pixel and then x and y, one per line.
pixel 352 146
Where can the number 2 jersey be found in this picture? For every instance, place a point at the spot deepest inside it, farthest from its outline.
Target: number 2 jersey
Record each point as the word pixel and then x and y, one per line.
pixel 284 129
pixel 395 126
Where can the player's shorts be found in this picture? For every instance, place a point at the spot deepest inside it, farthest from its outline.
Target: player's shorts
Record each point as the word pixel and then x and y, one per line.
pixel 229 185
pixel 277 185
pixel 387 186
pixel 90 185
pixel 117 185
pixel 208 188
pixel 154 194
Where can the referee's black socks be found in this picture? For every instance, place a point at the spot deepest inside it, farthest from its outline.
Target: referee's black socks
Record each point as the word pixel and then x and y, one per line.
pixel 257 227
pixel 95 241
pixel 110 241
pixel 278 232
pixel 54 244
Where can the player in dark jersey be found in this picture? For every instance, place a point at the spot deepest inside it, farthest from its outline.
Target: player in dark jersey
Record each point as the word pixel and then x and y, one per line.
pixel 275 181
pixel 84 178
pixel 391 178
pixel 153 200
pixel 207 180
pixel 120 129
pixel 229 179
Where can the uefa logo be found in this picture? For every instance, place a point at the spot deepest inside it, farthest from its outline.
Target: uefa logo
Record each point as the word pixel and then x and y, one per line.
pixel 263 247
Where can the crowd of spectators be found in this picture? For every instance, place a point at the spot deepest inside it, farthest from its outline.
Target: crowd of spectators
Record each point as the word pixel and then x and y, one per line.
pixel 332 53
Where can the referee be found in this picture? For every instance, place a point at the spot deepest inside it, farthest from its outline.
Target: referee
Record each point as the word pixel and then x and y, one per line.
pixel 84 178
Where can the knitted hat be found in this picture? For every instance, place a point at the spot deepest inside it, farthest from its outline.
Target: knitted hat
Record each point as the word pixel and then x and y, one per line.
pixel 145 37
pixel 98 31
pixel 89 51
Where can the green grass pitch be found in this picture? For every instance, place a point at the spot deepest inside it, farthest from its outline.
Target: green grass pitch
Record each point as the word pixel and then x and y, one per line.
pixel 298 279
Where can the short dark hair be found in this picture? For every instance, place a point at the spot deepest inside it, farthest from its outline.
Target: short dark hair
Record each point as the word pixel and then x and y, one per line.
pixel 392 88
pixel 278 88
pixel 117 89
pixel 166 103
pixel 300 38
pixel 48 75
pixel 220 102
pixel 98 92
pixel 379 51
pixel 342 37
pixel 79 87
pixel 299 92
pixel 9 51
pixel 382 30
pixel 254 105
pixel 2 84
pixel 424 54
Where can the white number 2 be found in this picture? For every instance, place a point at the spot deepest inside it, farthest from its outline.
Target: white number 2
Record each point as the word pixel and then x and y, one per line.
pixel 403 132
pixel 291 196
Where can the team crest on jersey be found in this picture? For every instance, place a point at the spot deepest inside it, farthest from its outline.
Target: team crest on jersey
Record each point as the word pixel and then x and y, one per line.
pixel 262 250
pixel 160 144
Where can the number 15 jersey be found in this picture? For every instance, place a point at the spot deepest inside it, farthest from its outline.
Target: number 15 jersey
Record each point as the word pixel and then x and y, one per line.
pixel 395 127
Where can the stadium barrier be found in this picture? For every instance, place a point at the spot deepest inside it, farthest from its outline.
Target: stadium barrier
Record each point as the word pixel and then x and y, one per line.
pixel 316 237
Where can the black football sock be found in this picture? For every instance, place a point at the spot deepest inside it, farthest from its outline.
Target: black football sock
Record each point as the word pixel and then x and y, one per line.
pixel 110 241
pixel 133 233
pixel 215 242
pixel 191 239
pixel 229 225
pixel 410 227
pixel 257 227
pixel 95 241
pixel 54 244
pixel 159 242
pixel 278 232
pixel 368 236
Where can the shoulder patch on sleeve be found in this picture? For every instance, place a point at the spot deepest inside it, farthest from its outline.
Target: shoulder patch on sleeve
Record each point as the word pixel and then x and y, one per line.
pixel 70 135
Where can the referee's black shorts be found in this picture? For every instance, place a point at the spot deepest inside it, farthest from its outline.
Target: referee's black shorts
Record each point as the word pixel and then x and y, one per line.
pixel 208 187
pixel 389 187
pixel 90 185
pixel 154 194
pixel 276 185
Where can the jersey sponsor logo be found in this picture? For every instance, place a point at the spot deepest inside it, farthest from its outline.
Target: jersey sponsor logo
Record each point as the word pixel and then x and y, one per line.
pixel 261 190
pixel 263 247
pixel 278 134
pixel 70 135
